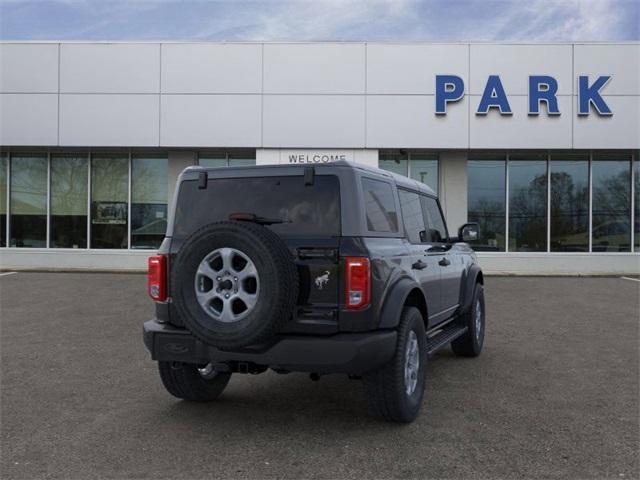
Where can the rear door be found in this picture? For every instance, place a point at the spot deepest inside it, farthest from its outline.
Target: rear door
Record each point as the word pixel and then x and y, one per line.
pixel 305 215
pixel 424 267
pixel 439 248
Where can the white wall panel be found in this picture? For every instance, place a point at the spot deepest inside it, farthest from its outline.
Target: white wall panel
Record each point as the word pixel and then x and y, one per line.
pixel 110 68
pixel 411 69
pixel 28 68
pixel 621 130
pixel 109 120
pixel 620 61
pixel 521 130
pixel 514 64
pixel 211 120
pixel 28 119
pixel 314 68
pixel 313 121
pixel 408 121
pixel 211 68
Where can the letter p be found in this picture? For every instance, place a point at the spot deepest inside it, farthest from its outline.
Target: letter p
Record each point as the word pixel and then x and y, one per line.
pixel 449 88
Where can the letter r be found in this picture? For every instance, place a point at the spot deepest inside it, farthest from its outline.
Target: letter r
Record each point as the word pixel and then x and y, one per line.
pixel 536 95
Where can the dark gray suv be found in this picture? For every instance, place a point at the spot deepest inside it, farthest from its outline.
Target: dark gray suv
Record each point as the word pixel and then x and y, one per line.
pixel 330 268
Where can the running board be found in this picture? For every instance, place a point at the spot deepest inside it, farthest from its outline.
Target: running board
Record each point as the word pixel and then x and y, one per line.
pixel 444 338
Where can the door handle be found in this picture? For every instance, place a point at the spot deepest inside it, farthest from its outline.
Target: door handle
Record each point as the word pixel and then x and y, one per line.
pixel 444 262
pixel 419 265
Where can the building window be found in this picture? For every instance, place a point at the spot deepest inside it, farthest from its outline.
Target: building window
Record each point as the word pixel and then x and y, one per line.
pixel 486 200
pixel 569 206
pixel 232 158
pixel 420 166
pixel 636 202
pixel 4 165
pixel 611 215
pixel 528 203
pixel 394 161
pixel 109 195
pixel 68 209
pixel 28 207
pixel 149 190
pixel 380 208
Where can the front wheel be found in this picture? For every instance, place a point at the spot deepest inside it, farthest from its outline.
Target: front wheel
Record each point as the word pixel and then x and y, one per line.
pixel 192 382
pixel 470 344
pixel 395 391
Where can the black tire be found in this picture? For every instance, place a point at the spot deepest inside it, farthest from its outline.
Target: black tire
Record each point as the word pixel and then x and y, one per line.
pixel 386 387
pixel 278 286
pixel 183 380
pixel 470 344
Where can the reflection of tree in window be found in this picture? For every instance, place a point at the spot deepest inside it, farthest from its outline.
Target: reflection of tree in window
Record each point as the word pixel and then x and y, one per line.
pixel 69 201
pixel 611 206
pixel 569 205
pixel 28 201
pixel 486 202
pixel 528 206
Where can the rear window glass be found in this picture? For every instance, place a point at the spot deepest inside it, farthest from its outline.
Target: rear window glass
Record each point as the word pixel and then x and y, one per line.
pixel 380 207
pixel 306 210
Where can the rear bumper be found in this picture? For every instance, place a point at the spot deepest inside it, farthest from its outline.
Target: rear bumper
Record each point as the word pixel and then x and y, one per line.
pixel 353 353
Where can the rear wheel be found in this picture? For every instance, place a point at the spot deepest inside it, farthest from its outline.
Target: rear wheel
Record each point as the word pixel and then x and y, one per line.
pixel 193 382
pixel 470 344
pixel 395 391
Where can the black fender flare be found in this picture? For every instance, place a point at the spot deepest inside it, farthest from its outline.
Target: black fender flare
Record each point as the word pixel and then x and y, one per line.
pixel 396 299
pixel 473 275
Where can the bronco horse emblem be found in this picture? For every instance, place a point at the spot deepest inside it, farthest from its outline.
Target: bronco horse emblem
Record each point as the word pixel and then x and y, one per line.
pixel 322 280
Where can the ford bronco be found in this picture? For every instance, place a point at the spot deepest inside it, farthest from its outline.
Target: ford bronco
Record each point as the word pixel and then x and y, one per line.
pixel 330 268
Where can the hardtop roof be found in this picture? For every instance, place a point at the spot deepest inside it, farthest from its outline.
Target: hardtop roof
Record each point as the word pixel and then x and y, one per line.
pixel 399 180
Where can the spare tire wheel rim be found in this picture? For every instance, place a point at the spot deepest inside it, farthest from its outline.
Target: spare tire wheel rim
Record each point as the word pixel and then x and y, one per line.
pixel 227 285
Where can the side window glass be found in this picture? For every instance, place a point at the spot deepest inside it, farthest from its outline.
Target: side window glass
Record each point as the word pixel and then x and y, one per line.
pixel 412 216
pixel 436 230
pixel 380 208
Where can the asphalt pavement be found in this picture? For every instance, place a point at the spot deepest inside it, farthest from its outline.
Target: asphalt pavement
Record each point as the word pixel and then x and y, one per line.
pixel 555 394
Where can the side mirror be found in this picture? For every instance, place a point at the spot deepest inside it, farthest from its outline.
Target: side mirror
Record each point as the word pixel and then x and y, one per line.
pixel 469 232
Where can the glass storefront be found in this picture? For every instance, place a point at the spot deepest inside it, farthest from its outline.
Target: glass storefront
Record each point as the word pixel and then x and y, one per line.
pixel 109 197
pixel 611 214
pixel 549 195
pixel 28 183
pixel 636 215
pixel 527 203
pixel 68 215
pixel 149 194
pixel 4 165
pixel 486 196
pixel 569 198
pixel 236 158
pixel 420 166
pixel 102 200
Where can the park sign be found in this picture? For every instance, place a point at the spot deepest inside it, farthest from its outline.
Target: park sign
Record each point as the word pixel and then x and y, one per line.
pixel 542 89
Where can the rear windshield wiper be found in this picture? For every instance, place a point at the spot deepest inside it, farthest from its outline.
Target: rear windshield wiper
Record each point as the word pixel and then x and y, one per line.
pixel 252 217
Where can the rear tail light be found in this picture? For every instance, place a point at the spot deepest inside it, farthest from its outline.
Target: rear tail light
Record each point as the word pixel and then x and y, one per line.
pixel 157 278
pixel 357 282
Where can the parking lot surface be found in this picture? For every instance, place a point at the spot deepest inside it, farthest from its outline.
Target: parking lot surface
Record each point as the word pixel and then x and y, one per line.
pixel 554 394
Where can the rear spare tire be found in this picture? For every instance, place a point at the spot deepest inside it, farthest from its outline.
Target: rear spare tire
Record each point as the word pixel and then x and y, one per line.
pixel 234 284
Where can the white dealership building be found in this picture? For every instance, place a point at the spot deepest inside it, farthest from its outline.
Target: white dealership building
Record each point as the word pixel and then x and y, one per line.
pixel 537 142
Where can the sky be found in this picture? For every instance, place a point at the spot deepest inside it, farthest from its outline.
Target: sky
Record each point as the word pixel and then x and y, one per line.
pixel 321 20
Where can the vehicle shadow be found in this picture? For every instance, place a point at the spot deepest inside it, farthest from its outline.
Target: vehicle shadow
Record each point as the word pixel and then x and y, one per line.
pixel 293 401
